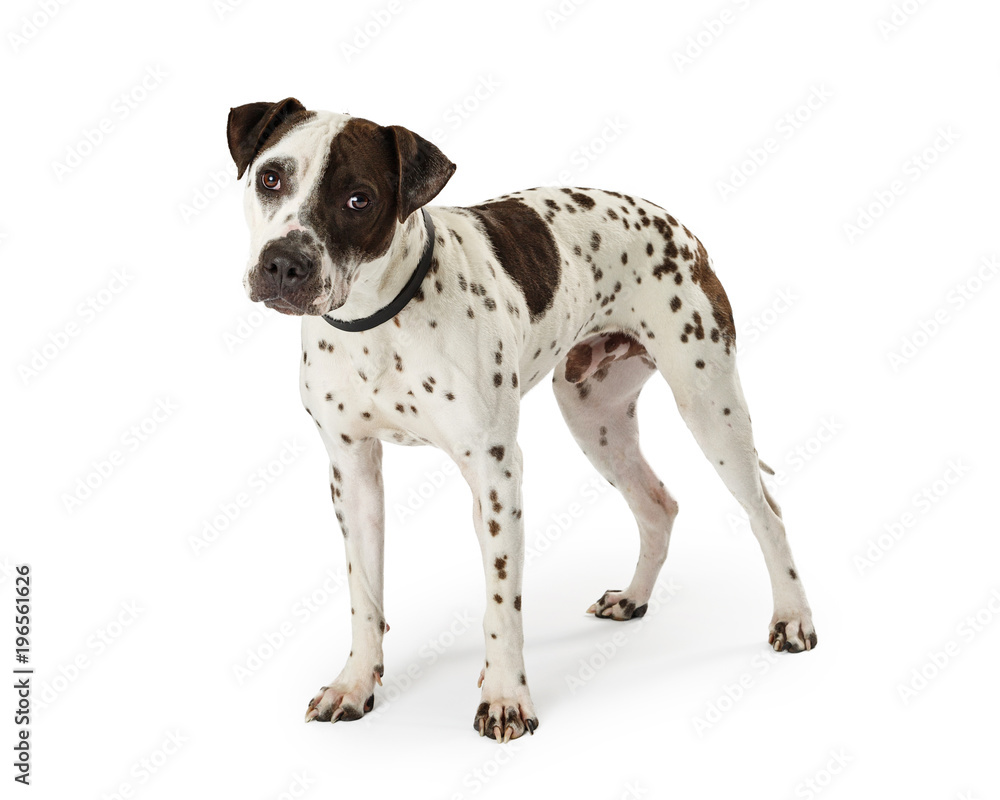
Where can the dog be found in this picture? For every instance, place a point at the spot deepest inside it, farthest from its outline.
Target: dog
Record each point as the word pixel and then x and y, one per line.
pixel 427 325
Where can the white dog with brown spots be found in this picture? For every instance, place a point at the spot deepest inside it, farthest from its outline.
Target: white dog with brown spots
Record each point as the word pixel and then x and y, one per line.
pixel 427 325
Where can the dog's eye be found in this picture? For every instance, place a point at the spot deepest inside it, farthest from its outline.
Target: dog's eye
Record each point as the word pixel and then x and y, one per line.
pixel 270 179
pixel 358 201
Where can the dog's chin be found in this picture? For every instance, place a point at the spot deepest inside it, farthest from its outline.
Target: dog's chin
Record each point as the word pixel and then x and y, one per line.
pixel 282 306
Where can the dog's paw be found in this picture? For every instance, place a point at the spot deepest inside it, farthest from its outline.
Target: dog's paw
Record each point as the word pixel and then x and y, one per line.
pixel 792 633
pixel 344 699
pixel 615 605
pixel 506 718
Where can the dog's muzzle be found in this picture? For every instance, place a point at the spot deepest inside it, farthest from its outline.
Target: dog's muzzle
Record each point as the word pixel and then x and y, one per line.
pixel 286 277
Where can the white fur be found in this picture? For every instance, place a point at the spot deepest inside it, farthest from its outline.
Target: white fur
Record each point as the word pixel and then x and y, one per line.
pixel 449 370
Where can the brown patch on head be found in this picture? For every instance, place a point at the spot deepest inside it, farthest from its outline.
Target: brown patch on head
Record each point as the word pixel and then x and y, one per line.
pixel 525 248
pixel 422 171
pixel 362 156
pixel 722 312
pixel 252 126
pixel 398 170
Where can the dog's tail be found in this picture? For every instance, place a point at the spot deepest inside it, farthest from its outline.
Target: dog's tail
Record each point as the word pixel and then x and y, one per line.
pixel 767 495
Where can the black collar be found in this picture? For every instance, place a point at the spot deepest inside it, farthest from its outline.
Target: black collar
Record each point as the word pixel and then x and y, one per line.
pixel 400 300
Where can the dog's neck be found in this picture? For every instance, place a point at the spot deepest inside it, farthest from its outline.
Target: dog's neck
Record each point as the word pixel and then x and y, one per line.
pixel 381 281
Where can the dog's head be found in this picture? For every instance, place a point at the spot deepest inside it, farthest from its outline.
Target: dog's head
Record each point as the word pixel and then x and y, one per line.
pixel 325 196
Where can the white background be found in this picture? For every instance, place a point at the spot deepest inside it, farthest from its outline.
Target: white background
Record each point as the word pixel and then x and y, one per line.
pixel 590 95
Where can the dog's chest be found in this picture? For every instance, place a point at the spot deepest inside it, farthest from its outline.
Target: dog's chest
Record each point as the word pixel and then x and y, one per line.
pixel 388 384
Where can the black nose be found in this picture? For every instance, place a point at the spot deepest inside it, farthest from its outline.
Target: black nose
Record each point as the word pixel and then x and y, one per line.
pixel 287 269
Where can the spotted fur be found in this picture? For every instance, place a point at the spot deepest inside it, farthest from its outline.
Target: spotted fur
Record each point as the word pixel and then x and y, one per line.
pixel 599 288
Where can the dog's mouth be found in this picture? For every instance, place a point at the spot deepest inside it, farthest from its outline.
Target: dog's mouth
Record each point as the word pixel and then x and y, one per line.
pixel 317 308
pixel 283 306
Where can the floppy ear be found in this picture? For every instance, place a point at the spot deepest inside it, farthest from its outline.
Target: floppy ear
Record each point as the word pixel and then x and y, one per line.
pixel 251 125
pixel 423 170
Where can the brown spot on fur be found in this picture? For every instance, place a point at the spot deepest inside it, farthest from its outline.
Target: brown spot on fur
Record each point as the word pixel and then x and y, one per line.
pixel 665 268
pixel 722 312
pixel 577 361
pixel 699 331
pixel 581 364
pixel 525 249
pixel 664 229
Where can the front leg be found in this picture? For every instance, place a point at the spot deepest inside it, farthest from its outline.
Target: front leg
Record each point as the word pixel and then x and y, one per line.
pixel 356 487
pixel 494 475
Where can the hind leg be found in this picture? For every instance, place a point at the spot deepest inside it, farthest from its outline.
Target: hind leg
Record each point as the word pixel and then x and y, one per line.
pixel 597 385
pixel 711 402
